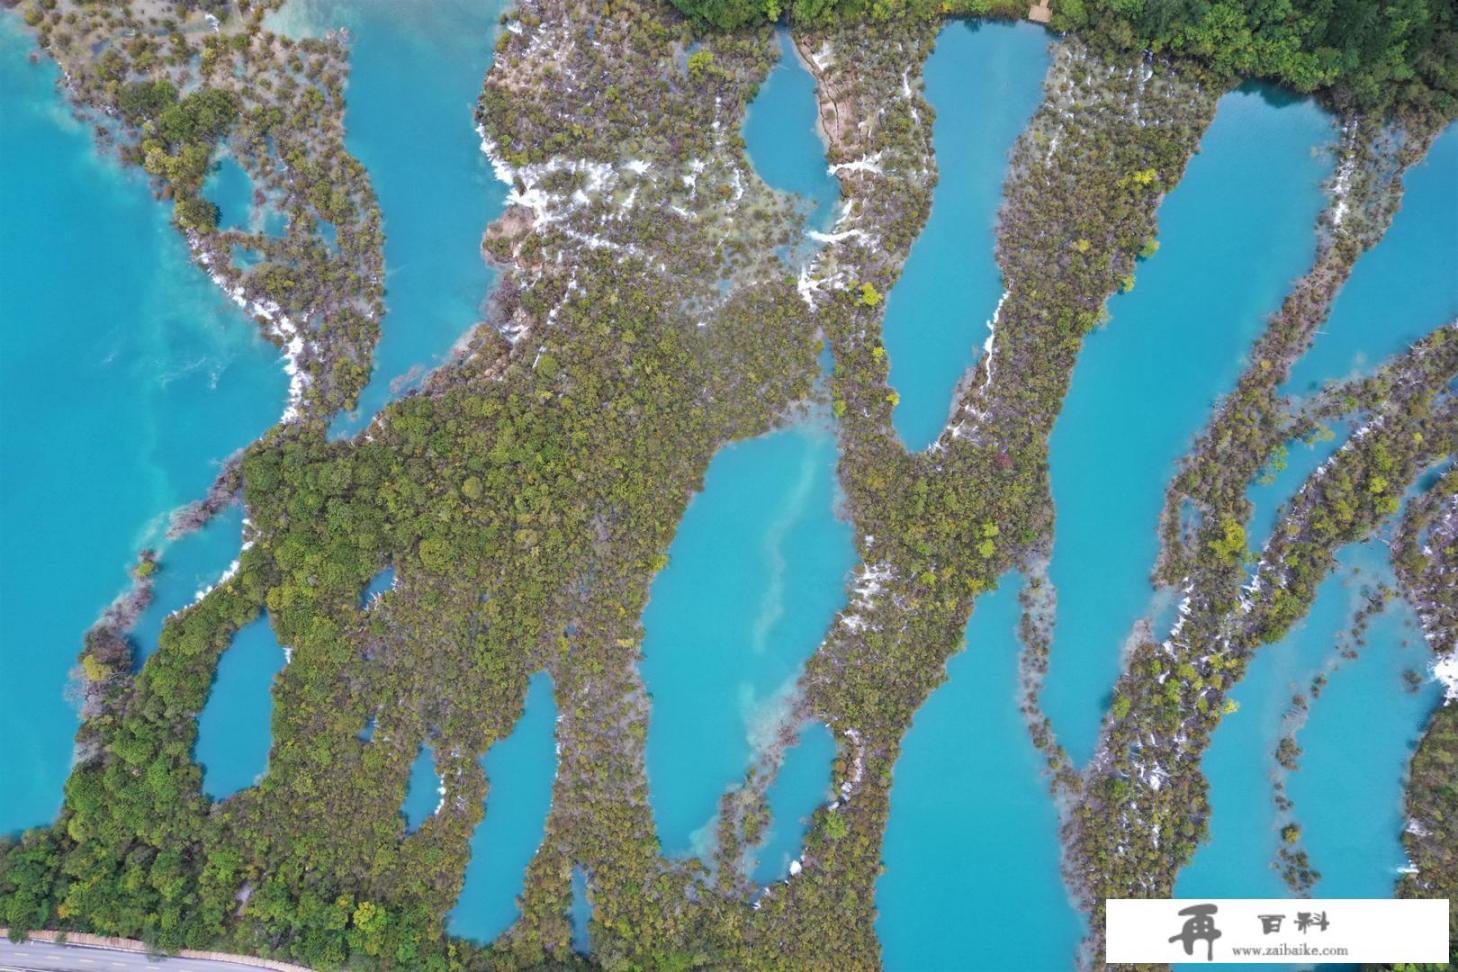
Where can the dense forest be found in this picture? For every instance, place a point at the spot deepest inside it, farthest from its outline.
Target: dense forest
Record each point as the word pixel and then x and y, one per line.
pixel 1371 53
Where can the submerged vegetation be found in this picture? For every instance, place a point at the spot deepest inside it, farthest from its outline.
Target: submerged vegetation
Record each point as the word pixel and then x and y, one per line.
pixel 527 494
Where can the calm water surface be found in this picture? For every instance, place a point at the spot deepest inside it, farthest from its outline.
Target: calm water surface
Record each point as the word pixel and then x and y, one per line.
pixel 803 784
pixel 422 790
pixel 985 82
pixel 1363 727
pixel 520 770
pixel 1403 287
pixel 379 585
pixel 1275 487
pixel 581 914
pixel 755 575
pixel 125 378
pixel 781 130
pixel 187 568
pixel 233 732
pixel 230 189
pixel 415 74
pixel 972 840
pixel 1145 383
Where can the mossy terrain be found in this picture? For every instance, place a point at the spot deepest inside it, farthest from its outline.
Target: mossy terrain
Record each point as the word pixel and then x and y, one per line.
pixel 526 496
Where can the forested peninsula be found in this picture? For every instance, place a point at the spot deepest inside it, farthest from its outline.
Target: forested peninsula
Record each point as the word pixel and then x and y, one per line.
pixel 527 493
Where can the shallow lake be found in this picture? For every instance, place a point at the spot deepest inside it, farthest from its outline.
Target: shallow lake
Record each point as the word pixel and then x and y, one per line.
pixel 520 770
pixel 972 848
pixel 1146 382
pixel 415 74
pixel 233 731
pixel 985 82
pixel 126 377
pixel 755 575
pixel 1403 287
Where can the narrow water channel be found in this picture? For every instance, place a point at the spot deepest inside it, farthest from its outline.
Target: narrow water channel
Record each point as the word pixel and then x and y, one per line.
pixel 984 81
pixel 186 568
pixel 1402 288
pixel 972 841
pixel 782 135
pixel 1146 382
pixel 800 788
pixel 415 74
pixel 1356 743
pixel 520 771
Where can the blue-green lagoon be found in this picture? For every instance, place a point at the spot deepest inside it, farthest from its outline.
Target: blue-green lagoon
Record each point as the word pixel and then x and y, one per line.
pixel 415 75
pixel 1146 382
pixel 186 569
pixel 1402 288
pixel 972 850
pixel 984 81
pixel 422 790
pixel 755 575
pixel 233 737
pixel 520 771
pixel 121 398
pixel 781 132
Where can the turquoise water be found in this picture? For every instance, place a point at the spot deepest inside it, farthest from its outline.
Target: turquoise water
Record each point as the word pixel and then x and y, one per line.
pixel 985 81
pixel 124 374
pixel 1240 763
pixel 783 138
pixel 416 71
pixel 755 576
pixel 422 791
pixel 233 732
pixel 1400 289
pixel 1364 728
pixel 1303 457
pixel 188 567
pixel 520 770
pixel 581 914
pixel 230 189
pixel 1357 744
pixel 803 784
pixel 379 584
pixel 972 842
pixel 1145 383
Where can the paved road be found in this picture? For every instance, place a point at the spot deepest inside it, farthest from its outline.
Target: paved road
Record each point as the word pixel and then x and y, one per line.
pixel 34 956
